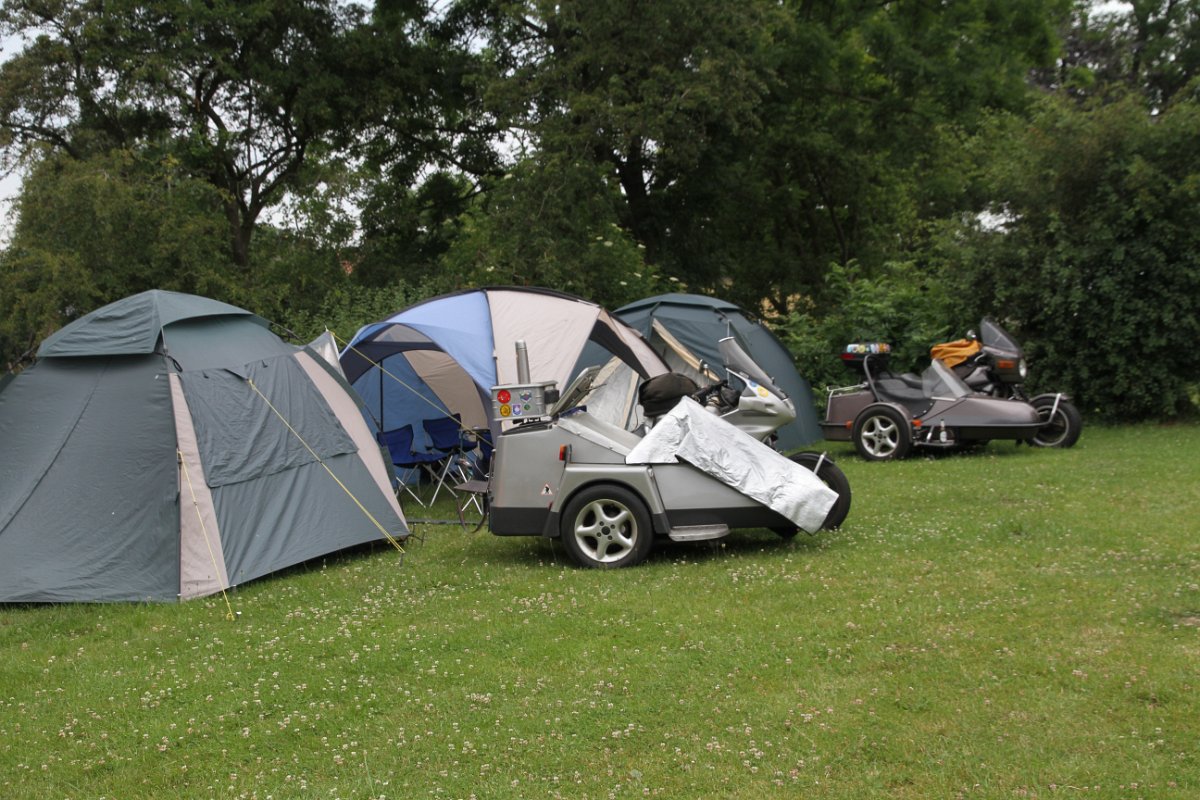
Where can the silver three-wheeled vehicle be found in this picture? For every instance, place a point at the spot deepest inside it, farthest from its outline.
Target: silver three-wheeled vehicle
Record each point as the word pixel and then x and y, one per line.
pixel 607 493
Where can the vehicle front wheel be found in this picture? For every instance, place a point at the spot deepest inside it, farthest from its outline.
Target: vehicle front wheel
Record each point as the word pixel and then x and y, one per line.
pixel 1062 429
pixel 881 433
pixel 606 527
pixel 832 476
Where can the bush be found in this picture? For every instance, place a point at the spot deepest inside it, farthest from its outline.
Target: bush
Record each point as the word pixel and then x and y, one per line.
pixel 1099 260
pixel 903 306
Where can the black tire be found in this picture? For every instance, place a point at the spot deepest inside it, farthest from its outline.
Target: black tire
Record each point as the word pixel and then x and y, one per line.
pixel 832 476
pixel 606 527
pixel 881 433
pixel 1063 430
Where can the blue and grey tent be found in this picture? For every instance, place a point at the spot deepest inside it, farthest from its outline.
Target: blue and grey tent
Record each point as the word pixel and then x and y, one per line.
pixel 685 328
pixel 443 355
pixel 169 446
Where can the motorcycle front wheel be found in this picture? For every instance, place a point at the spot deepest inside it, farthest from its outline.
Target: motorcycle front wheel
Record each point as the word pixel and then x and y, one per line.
pixel 1061 430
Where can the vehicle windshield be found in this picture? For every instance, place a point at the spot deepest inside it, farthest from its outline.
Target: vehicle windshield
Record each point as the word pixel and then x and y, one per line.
pixel 737 359
pixel 941 381
pixel 992 335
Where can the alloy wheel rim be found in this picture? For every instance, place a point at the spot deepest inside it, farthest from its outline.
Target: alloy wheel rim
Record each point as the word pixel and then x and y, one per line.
pixel 1055 428
pixel 605 530
pixel 880 436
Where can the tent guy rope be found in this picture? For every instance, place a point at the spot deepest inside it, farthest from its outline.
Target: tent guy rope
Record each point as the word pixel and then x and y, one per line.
pixel 391 539
pixel 229 615
pixel 397 379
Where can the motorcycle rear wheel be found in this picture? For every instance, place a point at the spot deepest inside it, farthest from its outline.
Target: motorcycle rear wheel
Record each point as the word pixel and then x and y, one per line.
pixel 832 476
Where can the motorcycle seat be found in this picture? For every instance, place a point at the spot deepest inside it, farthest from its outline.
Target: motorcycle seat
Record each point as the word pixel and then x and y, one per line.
pixel 896 389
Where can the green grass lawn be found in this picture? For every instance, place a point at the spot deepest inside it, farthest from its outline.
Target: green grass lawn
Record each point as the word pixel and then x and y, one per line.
pixel 1011 623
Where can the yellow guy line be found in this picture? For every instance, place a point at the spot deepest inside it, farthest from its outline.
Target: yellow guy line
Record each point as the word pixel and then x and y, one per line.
pixel 204 529
pixel 391 539
pixel 379 366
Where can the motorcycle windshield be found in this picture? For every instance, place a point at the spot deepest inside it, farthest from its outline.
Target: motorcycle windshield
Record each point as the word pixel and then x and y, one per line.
pixel 738 360
pixel 995 337
pixel 941 381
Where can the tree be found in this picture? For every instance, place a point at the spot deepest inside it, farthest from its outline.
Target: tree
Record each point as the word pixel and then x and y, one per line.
pixel 407 231
pixel 242 94
pixel 756 143
pixel 550 223
pixel 92 231
pixel 1148 47
pixel 634 92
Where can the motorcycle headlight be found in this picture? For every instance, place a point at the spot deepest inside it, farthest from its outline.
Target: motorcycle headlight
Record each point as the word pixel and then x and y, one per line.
pixel 1021 368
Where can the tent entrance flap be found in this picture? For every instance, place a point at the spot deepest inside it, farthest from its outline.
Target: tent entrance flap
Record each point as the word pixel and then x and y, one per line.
pixel 239 436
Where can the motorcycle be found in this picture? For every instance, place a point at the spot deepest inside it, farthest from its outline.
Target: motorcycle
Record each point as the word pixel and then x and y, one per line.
pixel 755 405
pixel 888 414
pixel 993 363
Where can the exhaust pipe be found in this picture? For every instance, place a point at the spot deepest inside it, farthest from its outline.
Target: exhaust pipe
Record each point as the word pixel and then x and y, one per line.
pixel 522 362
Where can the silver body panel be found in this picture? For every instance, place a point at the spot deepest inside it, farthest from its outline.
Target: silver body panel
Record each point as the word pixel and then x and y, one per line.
pixel 540 466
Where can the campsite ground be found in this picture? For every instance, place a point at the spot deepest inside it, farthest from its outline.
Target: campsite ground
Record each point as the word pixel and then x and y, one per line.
pixel 1012 623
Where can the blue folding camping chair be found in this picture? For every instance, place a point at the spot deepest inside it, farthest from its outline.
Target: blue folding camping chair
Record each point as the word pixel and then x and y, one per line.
pixel 406 461
pixel 447 437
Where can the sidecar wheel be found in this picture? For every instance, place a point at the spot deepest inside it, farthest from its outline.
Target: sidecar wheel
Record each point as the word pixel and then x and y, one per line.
pixel 606 527
pixel 881 433
pixel 832 476
pixel 1061 431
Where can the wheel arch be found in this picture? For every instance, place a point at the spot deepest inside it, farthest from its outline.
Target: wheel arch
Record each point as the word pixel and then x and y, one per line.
pixel 639 481
pixel 1048 396
pixel 899 409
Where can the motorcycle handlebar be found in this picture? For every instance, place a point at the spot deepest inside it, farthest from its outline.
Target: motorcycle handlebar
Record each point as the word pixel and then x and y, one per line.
pixel 708 391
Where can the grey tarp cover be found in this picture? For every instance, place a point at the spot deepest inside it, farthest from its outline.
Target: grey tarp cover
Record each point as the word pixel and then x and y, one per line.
pixel 94 504
pixel 737 459
pixel 699 322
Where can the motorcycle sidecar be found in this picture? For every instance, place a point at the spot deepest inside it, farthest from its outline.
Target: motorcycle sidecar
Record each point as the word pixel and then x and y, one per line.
pixel 566 477
pixel 887 415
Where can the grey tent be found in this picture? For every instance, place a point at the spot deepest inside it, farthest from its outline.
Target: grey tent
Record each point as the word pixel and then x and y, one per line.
pixel 685 329
pixel 168 446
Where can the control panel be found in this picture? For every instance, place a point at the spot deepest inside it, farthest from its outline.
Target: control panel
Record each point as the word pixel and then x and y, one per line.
pixel 514 402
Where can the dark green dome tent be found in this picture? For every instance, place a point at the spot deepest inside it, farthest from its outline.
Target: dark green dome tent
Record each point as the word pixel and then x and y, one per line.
pixel 169 446
pixel 685 328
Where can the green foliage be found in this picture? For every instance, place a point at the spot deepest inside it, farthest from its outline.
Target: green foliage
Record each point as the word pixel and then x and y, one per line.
pixel 1147 48
pixel 241 93
pixel 347 307
pixel 406 232
pixel 1098 262
pixel 95 230
pixel 755 143
pixel 904 306
pixel 636 94
pixel 290 274
pixel 550 223
pixel 90 232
